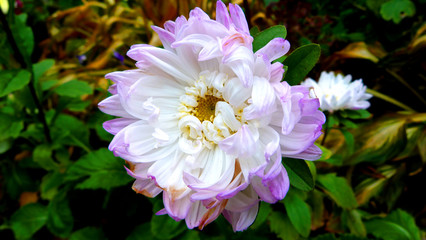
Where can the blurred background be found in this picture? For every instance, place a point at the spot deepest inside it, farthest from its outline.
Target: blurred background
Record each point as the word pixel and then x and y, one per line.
pixel 59 181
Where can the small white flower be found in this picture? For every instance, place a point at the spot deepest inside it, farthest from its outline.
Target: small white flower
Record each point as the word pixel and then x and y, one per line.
pixel 337 92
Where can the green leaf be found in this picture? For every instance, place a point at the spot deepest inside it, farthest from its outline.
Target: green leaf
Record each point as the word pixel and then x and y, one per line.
pixel 379 141
pixel 352 237
pixel 141 232
pixel 60 220
pixel 300 62
pixel 328 236
pixel 41 67
pixel 74 88
pixel 12 80
pixel 299 174
pixel 5 145
pixel 349 139
pixel 88 233
pixel 10 126
pixel 406 221
pixel 254 30
pixel 71 131
pixel 101 169
pixel 48 84
pixel 262 38
pixel 23 36
pixel 326 153
pixel 354 222
pixel 280 224
pixel 28 220
pixel 356 114
pixel 397 10
pixel 164 227
pixel 338 189
pixel 387 230
pixel 42 155
pixel 264 211
pixel 17 180
pixel 316 199
pixel 298 212
pixel 50 184
pixel 189 234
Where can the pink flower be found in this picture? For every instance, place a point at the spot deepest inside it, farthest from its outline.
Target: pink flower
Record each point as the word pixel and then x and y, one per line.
pixel 206 121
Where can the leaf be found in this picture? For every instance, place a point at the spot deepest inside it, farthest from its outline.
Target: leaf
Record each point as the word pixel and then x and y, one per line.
pixel 50 184
pixel 326 153
pixel 42 155
pixel 13 80
pixel 407 221
pixel 28 220
pixel 10 126
pixel 300 62
pixel 71 131
pixel 315 200
pixel 100 168
pixel 299 174
pixel 141 232
pixel 327 236
pixel 299 213
pixel 164 227
pixel 358 50
pixel 355 114
pixel 264 211
pixel 354 222
pixel 338 189
pixel 5 145
pixel 397 10
pixel 88 233
pixel 262 38
pixel 41 67
pixel 74 88
pixel 349 139
pixel 352 237
pixel 386 230
pixel 254 30
pixel 280 224
pixel 190 235
pixel 60 220
pixel 371 187
pixel 23 36
pixel 17 180
pixel 379 141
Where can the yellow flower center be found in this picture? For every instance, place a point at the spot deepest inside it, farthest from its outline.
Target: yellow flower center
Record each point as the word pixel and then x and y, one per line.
pixel 205 110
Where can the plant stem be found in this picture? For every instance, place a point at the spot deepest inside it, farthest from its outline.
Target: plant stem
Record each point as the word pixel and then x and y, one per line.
pixel 401 80
pixel 390 100
pixel 27 65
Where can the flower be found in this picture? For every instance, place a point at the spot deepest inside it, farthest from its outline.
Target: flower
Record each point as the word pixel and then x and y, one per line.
pixel 206 121
pixel 4 6
pixel 337 92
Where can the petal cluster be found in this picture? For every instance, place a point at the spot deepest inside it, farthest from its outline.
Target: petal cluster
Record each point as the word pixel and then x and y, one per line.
pixel 206 121
pixel 337 92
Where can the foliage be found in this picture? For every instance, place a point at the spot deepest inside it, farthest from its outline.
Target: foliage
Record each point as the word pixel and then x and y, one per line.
pixel 59 180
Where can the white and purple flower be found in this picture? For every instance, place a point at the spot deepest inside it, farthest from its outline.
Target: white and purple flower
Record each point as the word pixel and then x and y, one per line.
pixel 206 121
pixel 337 92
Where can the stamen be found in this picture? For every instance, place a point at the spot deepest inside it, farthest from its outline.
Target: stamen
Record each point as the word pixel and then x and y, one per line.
pixel 205 110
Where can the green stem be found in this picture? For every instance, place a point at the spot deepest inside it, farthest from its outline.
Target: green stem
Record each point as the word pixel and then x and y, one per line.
pixel 401 80
pixel 390 100
pixel 28 65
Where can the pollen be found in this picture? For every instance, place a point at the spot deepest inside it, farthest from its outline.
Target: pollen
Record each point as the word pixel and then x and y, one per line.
pixel 205 110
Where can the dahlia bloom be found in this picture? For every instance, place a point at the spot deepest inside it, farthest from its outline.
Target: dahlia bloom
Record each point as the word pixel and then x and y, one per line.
pixel 337 92
pixel 206 121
